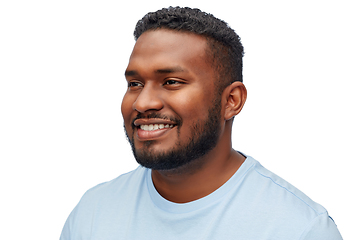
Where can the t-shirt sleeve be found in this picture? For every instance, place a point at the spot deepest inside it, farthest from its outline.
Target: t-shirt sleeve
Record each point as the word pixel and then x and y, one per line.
pixel 67 233
pixel 321 228
pixel 78 224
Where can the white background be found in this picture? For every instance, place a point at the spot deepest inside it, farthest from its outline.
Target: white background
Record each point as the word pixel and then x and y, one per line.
pixel 61 72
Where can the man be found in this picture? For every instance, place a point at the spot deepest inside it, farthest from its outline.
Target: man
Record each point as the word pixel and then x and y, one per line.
pixel 184 90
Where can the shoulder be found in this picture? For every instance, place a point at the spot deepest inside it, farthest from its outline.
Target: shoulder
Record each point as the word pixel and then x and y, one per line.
pixel 273 197
pixel 275 187
pixel 117 185
pixel 99 201
pixel 117 191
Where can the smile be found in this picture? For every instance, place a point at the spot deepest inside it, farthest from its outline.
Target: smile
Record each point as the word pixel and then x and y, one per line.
pixel 153 131
pixel 153 127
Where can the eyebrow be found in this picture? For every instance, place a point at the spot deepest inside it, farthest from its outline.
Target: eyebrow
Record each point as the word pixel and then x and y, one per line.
pixel 131 73
pixel 170 70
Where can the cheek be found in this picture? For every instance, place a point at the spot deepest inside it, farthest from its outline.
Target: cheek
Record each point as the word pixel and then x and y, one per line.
pixel 191 106
pixel 127 111
pixel 126 106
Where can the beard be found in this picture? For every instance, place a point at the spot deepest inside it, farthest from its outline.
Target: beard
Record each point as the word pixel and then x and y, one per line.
pixel 205 135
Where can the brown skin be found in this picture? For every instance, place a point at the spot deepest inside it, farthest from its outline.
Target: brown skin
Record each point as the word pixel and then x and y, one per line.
pixel 186 92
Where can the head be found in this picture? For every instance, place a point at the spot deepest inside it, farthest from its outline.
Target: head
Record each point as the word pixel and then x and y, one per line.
pixel 175 108
pixel 225 50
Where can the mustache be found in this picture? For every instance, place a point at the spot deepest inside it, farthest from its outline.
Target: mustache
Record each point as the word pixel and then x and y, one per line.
pixel 155 115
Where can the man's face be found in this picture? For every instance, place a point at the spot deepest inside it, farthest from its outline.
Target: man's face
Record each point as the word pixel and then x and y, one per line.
pixel 171 109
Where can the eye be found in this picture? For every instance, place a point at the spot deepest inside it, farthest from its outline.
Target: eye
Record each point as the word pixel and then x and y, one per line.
pixel 134 84
pixel 172 82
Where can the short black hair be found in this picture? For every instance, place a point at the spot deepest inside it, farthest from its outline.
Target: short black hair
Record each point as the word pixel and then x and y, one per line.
pixel 225 45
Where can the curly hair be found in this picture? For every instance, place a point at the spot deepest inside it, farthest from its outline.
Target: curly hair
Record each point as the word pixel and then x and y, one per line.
pixel 225 46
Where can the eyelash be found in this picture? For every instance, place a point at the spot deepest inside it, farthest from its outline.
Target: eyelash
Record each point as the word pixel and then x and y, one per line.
pixel 173 82
pixel 133 84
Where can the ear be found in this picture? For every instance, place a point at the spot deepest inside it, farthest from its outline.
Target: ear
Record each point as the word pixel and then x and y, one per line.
pixel 235 95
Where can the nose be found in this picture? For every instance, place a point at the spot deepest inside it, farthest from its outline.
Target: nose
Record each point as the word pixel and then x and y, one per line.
pixel 148 99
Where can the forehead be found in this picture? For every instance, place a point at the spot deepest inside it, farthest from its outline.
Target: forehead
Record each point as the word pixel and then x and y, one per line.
pixel 168 48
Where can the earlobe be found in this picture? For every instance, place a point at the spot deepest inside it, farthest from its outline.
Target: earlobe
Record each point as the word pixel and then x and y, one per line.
pixel 236 95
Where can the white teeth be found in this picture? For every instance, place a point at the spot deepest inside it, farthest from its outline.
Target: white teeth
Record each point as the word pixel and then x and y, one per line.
pixel 153 127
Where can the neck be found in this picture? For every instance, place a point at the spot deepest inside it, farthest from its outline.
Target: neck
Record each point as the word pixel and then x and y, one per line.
pixel 199 178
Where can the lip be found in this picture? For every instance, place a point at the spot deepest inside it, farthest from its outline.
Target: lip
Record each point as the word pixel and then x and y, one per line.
pixel 152 135
pixel 144 135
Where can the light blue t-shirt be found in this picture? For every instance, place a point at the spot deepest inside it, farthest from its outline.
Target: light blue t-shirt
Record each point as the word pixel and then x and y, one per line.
pixel 254 204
